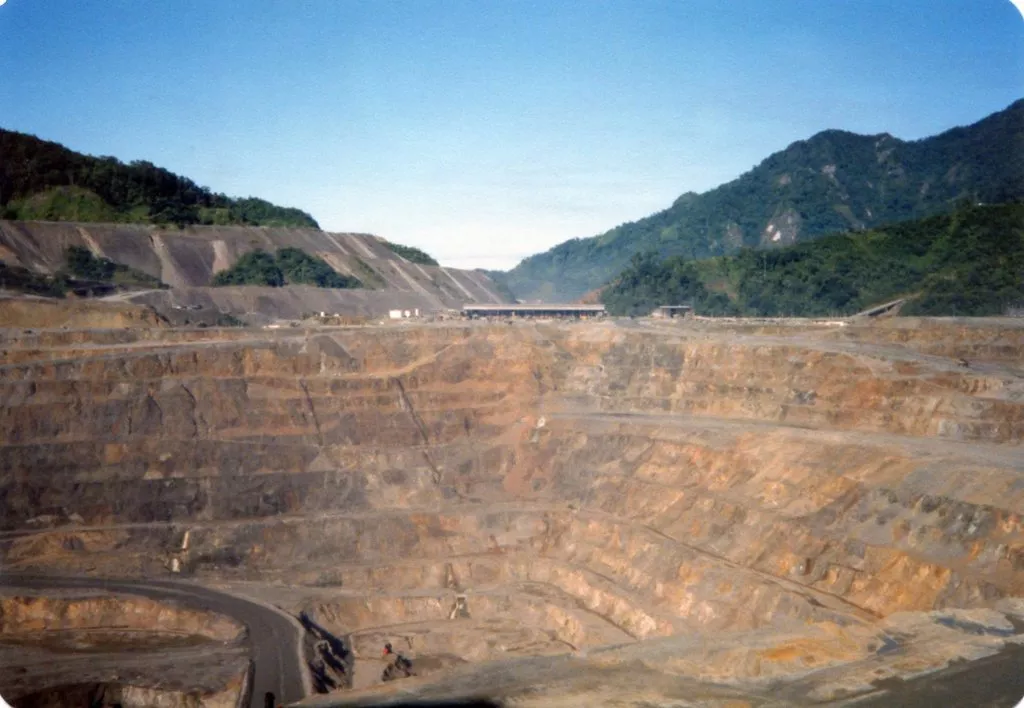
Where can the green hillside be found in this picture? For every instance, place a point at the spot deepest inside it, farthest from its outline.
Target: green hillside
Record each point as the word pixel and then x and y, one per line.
pixel 47 181
pixel 834 181
pixel 967 262
pixel 291 266
pixel 82 264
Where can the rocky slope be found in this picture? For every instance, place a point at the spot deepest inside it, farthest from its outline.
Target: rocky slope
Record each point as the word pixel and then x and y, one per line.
pixel 31 312
pixel 521 493
pixel 96 649
pixel 186 259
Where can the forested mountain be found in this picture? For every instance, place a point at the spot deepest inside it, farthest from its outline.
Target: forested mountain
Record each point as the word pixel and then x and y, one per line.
pixel 966 262
pixel 834 181
pixel 46 181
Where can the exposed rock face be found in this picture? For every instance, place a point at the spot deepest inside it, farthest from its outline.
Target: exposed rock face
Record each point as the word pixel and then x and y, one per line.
pixel 784 229
pixel 186 259
pixel 28 618
pixel 109 650
pixel 77 314
pixel 476 492
pixel 115 695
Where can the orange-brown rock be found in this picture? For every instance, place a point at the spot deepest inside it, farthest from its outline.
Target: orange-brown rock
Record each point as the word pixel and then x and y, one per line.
pixel 477 492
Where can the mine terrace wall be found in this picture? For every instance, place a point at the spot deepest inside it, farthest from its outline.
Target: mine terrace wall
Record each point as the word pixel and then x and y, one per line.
pixel 666 479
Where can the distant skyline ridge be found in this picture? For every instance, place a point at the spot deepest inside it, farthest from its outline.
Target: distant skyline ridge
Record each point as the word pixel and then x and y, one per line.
pixel 485 133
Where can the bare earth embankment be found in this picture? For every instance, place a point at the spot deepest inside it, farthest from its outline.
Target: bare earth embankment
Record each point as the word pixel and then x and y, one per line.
pixel 187 259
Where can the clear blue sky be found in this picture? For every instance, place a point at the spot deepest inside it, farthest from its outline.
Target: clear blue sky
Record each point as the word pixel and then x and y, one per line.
pixel 487 130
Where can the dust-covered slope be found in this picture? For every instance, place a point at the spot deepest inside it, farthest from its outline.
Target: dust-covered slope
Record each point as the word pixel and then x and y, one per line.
pixel 186 259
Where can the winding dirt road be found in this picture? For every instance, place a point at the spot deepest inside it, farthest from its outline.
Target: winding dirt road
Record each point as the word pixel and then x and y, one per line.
pixel 273 636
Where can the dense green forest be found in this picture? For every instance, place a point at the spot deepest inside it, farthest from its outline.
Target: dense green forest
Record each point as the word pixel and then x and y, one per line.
pixel 23 280
pixel 82 264
pixel 968 262
pixel 412 254
pixel 834 181
pixel 289 266
pixel 45 180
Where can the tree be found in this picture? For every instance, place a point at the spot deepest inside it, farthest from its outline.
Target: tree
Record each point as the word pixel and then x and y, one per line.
pixel 289 265
pixel 254 268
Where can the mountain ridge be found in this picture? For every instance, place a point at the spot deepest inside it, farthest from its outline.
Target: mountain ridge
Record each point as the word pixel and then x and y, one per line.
pixel 969 261
pixel 833 181
pixel 43 180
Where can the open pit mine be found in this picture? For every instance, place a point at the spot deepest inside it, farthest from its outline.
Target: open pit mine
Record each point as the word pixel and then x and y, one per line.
pixel 634 513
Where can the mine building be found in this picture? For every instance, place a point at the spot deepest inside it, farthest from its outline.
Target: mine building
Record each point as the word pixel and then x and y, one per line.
pixel 670 311
pixel 540 310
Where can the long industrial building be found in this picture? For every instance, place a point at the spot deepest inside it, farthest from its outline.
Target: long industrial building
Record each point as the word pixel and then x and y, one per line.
pixel 541 310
